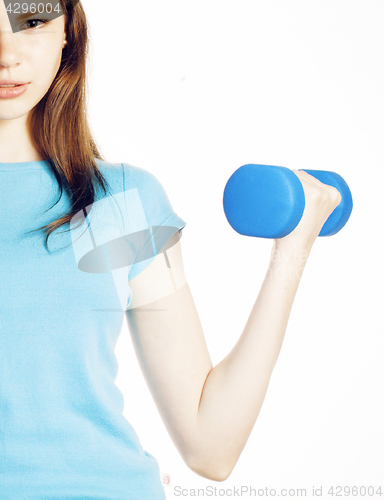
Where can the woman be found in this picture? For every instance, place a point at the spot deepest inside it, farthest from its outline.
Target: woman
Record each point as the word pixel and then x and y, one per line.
pixel 63 434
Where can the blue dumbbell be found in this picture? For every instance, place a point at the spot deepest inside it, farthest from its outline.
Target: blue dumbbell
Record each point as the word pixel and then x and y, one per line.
pixel 268 201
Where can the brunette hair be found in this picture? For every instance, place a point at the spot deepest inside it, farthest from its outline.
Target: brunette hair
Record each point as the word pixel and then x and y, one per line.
pixel 59 125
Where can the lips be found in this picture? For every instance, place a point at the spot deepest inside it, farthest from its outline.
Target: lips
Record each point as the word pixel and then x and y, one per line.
pixel 11 92
pixel 10 82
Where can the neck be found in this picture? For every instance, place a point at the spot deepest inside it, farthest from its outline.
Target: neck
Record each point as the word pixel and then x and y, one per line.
pixel 15 141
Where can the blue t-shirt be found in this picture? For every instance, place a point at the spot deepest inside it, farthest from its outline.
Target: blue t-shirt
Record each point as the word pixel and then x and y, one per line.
pixel 62 430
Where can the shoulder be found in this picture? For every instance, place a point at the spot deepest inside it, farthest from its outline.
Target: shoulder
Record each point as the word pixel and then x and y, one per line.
pixel 131 174
pixel 146 209
pixel 123 176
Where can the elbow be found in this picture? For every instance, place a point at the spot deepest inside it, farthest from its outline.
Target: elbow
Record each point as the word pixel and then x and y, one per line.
pixel 221 476
pixel 210 470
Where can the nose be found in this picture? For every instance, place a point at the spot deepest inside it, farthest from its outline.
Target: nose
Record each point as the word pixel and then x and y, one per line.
pixel 8 49
pixel 8 40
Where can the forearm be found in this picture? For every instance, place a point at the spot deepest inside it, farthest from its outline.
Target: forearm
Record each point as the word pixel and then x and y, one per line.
pixel 235 388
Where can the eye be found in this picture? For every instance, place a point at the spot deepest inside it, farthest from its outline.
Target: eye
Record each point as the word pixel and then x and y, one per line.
pixel 44 21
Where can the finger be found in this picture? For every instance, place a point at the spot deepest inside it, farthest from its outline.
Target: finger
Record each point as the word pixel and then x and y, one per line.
pixel 307 177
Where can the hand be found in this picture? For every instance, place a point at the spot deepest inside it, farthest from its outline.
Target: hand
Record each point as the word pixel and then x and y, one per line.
pixel 320 201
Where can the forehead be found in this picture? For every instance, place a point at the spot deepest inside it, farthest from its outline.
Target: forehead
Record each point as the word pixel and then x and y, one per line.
pixel 18 12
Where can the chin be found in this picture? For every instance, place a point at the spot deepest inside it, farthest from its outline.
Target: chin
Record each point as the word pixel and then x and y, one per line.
pixel 12 114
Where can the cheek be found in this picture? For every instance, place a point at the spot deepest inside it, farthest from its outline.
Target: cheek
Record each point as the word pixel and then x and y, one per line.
pixel 44 63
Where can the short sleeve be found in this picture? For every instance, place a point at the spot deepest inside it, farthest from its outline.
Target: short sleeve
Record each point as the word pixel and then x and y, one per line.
pixel 150 214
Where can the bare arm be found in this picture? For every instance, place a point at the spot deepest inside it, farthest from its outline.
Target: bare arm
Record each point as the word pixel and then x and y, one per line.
pixel 235 389
pixel 208 411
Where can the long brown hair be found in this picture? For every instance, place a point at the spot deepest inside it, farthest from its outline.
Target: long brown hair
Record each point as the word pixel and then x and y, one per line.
pixel 59 125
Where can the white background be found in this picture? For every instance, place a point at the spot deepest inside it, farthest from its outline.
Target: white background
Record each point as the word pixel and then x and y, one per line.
pixel 193 90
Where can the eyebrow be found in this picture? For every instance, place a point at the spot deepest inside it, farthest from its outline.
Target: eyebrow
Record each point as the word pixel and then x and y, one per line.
pixel 27 15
